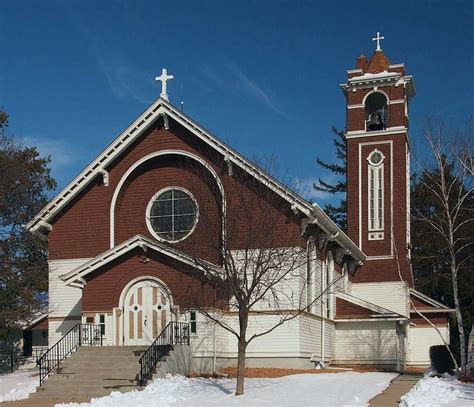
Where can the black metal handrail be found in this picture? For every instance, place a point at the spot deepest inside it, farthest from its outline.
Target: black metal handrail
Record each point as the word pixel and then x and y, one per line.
pixel 175 333
pixel 78 335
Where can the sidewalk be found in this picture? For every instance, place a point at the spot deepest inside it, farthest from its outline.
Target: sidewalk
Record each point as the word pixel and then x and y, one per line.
pixel 398 387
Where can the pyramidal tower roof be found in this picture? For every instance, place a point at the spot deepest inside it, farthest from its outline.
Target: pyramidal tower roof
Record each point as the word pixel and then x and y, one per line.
pixel 378 63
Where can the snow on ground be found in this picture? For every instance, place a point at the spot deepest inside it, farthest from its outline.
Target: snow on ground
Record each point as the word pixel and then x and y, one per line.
pixel 435 391
pixel 325 389
pixel 18 385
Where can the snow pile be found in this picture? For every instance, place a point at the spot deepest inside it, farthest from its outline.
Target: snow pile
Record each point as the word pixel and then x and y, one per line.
pixel 435 391
pixel 336 389
pixel 17 386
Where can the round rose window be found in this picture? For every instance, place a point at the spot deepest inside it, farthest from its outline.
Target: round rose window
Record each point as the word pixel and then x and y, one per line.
pixel 172 214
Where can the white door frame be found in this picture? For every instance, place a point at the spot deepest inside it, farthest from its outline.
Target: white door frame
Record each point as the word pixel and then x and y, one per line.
pixel 119 317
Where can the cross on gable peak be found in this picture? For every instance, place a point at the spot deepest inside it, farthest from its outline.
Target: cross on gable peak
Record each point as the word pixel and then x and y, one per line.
pixel 378 38
pixel 164 77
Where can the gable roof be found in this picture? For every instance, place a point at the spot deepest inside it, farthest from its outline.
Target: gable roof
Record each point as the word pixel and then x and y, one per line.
pixel 162 108
pixel 357 308
pixel 431 304
pixel 137 241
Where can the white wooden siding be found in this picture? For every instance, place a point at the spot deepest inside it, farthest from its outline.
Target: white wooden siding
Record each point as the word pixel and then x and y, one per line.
pixel 420 339
pixel 366 343
pixel 392 295
pixel 64 301
pixel 58 328
pixel 290 292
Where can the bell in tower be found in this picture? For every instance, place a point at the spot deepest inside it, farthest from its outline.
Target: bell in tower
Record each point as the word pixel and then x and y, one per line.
pixel 375 111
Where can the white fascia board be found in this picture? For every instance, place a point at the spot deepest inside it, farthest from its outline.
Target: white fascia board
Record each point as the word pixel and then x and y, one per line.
pixel 98 164
pixel 424 297
pixel 371 320
pixel 130 244
pixel 34 321
pixel 434 311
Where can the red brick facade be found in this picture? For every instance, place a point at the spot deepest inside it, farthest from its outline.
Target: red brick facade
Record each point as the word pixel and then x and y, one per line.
pixel 382 264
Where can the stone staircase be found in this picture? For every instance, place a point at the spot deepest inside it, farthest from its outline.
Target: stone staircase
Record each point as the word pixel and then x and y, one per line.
pixel 93 372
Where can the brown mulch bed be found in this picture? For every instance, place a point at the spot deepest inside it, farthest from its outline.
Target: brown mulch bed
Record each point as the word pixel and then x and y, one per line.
pixel 271 372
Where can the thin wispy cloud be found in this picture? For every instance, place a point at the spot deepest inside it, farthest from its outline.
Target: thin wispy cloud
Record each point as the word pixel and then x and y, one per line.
pixel 304 187
pixel 255 90
pixel 125 81
pixel 62 153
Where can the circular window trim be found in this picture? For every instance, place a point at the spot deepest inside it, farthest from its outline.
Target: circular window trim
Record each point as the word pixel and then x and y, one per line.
pixel 148 210
pixel 369 158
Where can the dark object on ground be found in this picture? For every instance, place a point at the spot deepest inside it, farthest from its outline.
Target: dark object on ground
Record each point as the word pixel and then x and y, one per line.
pixel 441 359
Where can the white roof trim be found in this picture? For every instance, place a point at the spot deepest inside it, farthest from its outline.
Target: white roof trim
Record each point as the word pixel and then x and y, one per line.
pixel 36 320
pixel 362 303
pixel 130 244
pixel 163 108
pixel 371 319
pixel 430 300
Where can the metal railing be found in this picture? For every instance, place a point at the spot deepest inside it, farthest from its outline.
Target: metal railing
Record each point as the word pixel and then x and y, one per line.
pixel 79 335
pixel 175 333
pixel 10 359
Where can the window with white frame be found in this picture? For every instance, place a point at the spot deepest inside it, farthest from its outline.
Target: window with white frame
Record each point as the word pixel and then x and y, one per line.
pixel 172 214
pixel 193 322
pixel 101 323
pixel 376 190
pixel 310 274
pixel 328 280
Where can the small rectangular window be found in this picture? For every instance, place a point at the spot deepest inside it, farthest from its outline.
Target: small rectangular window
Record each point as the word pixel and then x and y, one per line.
pixel 102 323
pixel 192 321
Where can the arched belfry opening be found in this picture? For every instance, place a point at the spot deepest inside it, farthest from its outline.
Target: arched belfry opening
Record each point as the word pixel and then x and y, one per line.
pixel 375 111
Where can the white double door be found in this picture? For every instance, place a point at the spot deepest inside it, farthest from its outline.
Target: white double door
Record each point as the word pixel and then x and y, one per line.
pixel 146 312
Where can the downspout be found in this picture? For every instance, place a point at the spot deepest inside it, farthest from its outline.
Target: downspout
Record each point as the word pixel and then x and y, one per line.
pixel 323 320
pixel 214 358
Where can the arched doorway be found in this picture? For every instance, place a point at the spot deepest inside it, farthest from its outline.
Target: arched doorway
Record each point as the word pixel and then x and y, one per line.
pixel 146 311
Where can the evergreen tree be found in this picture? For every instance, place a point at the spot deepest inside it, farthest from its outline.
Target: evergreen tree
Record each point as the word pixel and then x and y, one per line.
pixel 337 213
pixel 25 181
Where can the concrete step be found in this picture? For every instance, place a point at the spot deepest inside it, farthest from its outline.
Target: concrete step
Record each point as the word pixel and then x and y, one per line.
pixel 78 372
pixel 94 372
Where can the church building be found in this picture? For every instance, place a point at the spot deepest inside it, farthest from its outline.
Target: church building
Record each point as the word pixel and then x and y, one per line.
pixel 128 237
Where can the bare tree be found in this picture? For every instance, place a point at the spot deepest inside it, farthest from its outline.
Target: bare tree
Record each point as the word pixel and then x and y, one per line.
pixel 450 185
pixel 262 263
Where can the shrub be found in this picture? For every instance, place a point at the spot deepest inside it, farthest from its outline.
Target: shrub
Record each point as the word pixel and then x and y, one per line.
pixel 441 359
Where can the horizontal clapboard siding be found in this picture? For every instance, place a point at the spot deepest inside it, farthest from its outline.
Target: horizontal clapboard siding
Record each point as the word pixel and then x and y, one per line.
pixel 420 341
pixel 390 295
pixel 366 343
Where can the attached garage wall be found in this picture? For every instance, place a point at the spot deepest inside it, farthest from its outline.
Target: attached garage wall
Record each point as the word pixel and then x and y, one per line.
pixel 421 338
pixel 366 343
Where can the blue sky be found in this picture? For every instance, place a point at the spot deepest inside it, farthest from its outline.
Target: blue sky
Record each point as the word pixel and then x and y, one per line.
pixel 263 75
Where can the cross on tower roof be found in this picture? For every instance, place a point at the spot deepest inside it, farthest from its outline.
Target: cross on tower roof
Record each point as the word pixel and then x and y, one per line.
pixel 164 78
pixel 378 38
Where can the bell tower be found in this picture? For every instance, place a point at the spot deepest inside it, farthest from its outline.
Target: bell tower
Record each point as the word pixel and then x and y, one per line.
pixel 378 166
